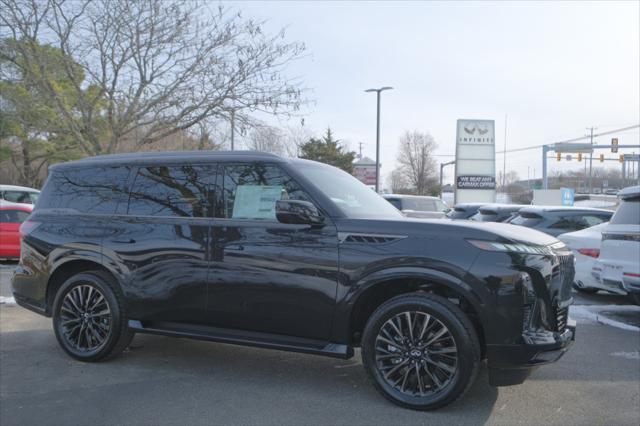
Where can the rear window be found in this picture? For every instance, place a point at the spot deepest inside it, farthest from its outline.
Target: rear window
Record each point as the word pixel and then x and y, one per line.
pixel 485 216
pixel 13 216
pixel 526 219
pixel 628 213
pixel 87 190
pixel 20 196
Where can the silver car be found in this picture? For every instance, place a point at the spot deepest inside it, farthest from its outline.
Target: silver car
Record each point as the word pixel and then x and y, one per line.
pixel 418 206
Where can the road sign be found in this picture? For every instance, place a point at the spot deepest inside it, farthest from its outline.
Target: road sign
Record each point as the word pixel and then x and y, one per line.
pixel 567 196
pixel 614 145
pixel 573 147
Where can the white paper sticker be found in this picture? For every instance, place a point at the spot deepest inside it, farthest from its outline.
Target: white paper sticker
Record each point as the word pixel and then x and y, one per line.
pixel 256 202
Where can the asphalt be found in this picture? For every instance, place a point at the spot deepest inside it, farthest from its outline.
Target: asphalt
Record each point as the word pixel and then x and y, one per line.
pixel 170 381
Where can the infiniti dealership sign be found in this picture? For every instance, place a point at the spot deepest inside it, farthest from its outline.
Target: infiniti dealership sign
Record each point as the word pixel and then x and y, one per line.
pixel 475 162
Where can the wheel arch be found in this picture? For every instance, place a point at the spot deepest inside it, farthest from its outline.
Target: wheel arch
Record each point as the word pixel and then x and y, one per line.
pixel 64 271
pixel 375 290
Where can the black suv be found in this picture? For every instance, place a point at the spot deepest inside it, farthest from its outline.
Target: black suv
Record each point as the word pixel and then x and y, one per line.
pixel 253 249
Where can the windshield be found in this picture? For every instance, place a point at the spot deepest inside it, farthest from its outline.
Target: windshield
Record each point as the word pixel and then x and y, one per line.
pixel 352 197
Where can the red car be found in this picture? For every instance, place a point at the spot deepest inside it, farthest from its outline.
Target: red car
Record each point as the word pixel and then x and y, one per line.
pixel 11 217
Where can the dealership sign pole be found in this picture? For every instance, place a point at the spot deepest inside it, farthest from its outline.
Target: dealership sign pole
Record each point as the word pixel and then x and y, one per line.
pixel 475 161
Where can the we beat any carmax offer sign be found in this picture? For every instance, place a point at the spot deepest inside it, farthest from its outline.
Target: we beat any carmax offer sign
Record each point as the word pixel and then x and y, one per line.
pixel 475 161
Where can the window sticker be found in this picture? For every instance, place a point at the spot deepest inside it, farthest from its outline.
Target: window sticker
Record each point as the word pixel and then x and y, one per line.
pixel 256 201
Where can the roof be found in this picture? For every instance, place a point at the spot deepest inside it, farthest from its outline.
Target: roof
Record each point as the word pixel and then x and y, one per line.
pixel 365 161
pixel 535 209
pixel 17 188
pixel 629 192
pixel 409 196
pixel 469 205
pixel 503 207
pixel 171 156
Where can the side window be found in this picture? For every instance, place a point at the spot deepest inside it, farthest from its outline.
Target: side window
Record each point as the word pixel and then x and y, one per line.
pixel 594 220
pixel 183 191
pixel 250 191
pixel 13 216
pixel 395 202
pixel 87 190
pixel 573 223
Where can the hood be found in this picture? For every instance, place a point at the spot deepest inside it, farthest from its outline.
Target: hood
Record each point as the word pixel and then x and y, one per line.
pixel 490 231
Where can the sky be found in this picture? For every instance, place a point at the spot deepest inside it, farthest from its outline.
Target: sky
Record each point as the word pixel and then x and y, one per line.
pixel 553 69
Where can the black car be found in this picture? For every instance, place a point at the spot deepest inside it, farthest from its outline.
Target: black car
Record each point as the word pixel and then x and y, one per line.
pixel 557 220
pixel 496 212
pixel 464 210
pixel 253 249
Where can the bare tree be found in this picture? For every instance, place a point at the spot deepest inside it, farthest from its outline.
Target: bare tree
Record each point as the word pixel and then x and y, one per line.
pixel 150 67
pixel 415 157
pixel 266 139
pixel 398 182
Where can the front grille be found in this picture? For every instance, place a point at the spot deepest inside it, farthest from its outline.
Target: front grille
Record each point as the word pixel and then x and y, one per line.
pixel 562 315
pixel 563 274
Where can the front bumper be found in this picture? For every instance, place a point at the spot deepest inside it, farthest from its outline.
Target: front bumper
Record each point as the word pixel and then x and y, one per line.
pixel 512 364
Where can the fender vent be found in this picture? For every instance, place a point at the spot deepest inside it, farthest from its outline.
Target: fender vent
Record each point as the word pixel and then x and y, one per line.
pixel 368 238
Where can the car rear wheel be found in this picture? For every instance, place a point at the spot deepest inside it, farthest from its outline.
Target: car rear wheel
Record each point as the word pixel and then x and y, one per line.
pixel 89 320
pixel 420 351
pixel 578 285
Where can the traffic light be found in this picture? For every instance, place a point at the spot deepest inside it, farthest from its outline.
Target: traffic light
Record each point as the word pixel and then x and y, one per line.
pixel 579 156
pixel 614 145
pixel 602 158
pixel 621 158
pixel 558 155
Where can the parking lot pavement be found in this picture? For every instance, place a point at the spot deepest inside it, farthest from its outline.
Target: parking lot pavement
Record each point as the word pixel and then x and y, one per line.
pixel 175 381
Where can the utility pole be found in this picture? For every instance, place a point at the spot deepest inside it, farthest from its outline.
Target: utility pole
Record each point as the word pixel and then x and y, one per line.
pixel 504 156
pixel 233 126
pixel 378 133
pixel 590 158
pixel 360 146
pixel 442 166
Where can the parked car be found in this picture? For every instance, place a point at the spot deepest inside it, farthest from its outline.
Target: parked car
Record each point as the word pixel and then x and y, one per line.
pixel 11 216
pixel 18 194
pixel 464 210
pixel 253 249
pixel 556 220
pixel 585 245
pixel 418 206
pixel 496 212
pixel 618 266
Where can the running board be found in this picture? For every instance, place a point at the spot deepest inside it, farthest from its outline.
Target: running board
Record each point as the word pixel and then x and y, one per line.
pixel 243 338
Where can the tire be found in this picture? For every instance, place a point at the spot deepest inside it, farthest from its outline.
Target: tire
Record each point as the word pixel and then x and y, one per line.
pixel 447 382
pixel 583 289
pixel 89 319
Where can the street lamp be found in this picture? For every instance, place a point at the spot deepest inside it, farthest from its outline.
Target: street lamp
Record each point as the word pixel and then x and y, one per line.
pixel 378 134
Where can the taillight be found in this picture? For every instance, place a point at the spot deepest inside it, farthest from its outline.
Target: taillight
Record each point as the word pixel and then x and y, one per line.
pixel 27 227
pixel 591 252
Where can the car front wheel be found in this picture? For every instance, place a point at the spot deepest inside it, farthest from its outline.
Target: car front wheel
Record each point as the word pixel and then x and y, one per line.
pixel 421 351
pixel 89 320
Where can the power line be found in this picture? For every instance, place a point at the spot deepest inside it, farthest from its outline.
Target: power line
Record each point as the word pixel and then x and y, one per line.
pixel 572 140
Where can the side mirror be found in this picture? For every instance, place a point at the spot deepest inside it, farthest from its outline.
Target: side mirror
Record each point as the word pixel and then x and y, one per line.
pixel 298 212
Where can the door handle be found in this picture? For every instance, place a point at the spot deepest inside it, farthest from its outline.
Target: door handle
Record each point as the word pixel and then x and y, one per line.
pixel 129 241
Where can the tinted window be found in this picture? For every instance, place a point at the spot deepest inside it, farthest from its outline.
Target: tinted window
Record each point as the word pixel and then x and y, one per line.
pixel 88 190
pixel 13 216
pixel 628 213
pixel 20 197
pixel 572 223
pixel 251 190
pixel 183 191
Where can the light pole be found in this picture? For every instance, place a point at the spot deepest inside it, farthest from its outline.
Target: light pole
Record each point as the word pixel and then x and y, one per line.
pixel 378 134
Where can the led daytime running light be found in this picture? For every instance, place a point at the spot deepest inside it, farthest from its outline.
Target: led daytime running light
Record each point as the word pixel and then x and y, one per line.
pixel 512 247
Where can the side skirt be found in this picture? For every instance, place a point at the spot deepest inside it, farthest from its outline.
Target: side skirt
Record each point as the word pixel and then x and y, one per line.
pixel 243 338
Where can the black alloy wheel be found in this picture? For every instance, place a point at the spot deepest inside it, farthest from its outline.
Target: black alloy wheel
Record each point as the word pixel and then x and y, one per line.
pixel 89 318
pixel 420 351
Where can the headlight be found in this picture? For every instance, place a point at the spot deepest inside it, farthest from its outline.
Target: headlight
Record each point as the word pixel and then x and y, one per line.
pixel 513 247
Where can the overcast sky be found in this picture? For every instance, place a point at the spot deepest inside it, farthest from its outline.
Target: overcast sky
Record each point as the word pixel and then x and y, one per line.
pixel 553 68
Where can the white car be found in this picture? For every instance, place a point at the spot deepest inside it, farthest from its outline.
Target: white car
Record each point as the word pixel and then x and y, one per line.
pixel 18 194
pixel 422 207
pixel 619 263
pixel 585 245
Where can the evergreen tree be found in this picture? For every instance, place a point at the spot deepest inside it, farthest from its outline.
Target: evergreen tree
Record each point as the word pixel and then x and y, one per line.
pixel 328 150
